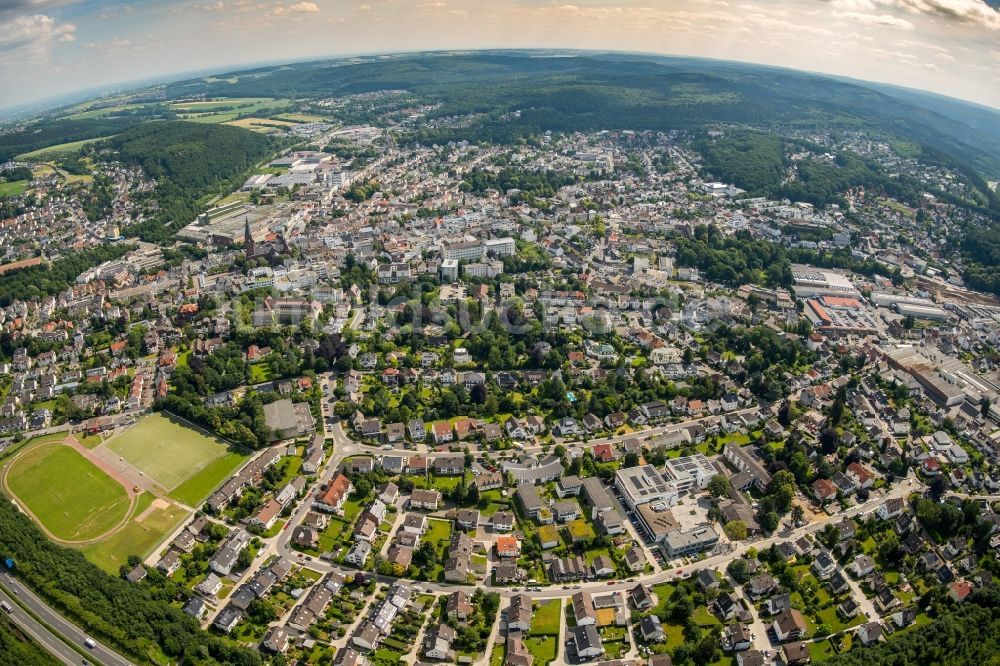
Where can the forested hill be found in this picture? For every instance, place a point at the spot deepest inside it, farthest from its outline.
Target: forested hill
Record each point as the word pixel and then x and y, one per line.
pixel 190 161
pixel 191 154
pixel 593 91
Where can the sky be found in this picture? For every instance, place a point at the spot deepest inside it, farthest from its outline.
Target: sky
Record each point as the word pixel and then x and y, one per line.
pixel 54 47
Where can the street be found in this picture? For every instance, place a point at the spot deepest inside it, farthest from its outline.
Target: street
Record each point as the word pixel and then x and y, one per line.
pixel 99 654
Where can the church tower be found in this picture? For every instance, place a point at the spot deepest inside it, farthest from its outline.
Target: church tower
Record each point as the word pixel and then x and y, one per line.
pixel 248 238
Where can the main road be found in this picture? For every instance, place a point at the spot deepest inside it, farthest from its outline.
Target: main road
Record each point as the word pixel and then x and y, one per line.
pixel 99 654
pixel 38 633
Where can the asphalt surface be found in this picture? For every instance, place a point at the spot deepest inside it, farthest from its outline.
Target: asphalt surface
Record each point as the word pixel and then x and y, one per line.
pixel 39 634
pixel 100 654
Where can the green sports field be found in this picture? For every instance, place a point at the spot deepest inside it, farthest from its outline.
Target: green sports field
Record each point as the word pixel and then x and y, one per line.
pixel 173 454
pixel 152 520
pixel 71 497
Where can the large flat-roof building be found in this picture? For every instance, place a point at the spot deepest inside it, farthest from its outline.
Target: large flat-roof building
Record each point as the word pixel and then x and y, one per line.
pixel 643 484
pixel 740 458
pixel 680 543
pixel 689 473
pixel 286 419
pixel 809 281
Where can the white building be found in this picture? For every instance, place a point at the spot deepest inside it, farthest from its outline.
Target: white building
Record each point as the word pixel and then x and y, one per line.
pixel 643 484
pixel 689 472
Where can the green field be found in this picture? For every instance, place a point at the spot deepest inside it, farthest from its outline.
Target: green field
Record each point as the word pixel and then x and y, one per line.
pixel 542 649
pixel 137 537
pixel 197 488
pixel 70 147
pixel 545 621
pixel 222 103
pixel 175 456
pixel 13 188
pixel 302 118
pixel 104 111
pixel 72 498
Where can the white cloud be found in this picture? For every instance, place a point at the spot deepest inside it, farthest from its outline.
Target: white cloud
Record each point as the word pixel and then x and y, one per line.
pixel 965 11
pixel 31 38
pixel 297 8
pixel 887 20
pixel 113 46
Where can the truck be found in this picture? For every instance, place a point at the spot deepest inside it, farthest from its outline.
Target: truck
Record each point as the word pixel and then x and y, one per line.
pixel 89 642
pixel 6 607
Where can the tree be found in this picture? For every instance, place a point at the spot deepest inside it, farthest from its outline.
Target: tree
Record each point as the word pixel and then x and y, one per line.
pixel 244 559
pixel 937 488
pixel 631 459
pixel 769 521
pixel 718 486
pixel 828 440
pixel 682 609
pixel 736 530
pixel 798 513
pixel 739 570
pixel 260 611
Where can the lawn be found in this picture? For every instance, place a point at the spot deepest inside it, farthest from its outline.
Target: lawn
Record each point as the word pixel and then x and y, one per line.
pixel 383 656
pixel 265 125
pixel 674 635
pixel 821 651
pixel 89 441
pixel 196 489
pixel 438 532
pixel 13 188
pixel 703 618
pixel 832 619
pixel 138 537
pixel 168 451
pixel 663 591
pixel 545 621
pixel 70 496
pixel 260 373
pixel 542 649
pixel 302 118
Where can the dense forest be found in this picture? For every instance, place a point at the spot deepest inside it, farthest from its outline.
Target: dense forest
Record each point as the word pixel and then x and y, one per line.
pixel 752 160
pixel 51 278
pixel 734 260
pixel 741 259
pixel 188 161
pixel 16 648
pixel 47 133
pixel 970 635
pixel 532 184
pixel 132 618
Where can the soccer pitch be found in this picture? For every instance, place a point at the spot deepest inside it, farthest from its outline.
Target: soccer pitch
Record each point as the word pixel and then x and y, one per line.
pixel 67 493
pixel 167 451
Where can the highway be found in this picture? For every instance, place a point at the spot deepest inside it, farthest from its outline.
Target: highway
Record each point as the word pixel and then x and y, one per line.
pixel 39 634
pixel 100 654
